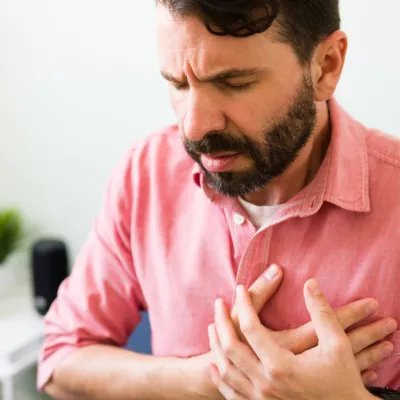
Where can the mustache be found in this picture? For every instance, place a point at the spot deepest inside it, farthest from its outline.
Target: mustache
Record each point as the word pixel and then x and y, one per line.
pixel 215 142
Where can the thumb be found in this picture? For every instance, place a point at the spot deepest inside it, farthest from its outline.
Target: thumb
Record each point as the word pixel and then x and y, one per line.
pixel 260 292
pixel 263 288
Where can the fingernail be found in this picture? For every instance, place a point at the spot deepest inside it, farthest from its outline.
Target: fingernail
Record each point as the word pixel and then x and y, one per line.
pixel 372 377
pixel 390 327
pixel 272 272
pixel 313 287
pixel 239 290
pixel 218 305
pixel 387 349
pixel 371 307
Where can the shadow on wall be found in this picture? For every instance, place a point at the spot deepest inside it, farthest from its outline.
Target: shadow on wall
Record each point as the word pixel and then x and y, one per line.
pixel 140 340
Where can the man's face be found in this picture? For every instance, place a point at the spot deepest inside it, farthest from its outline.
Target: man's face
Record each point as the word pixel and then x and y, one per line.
pixel 245 106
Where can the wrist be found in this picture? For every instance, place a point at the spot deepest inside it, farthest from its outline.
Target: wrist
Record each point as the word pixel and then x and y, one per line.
pixel 198 381
pixel 174 378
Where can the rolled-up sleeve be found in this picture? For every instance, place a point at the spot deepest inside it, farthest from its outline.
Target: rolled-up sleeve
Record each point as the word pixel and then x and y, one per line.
pixel 101 300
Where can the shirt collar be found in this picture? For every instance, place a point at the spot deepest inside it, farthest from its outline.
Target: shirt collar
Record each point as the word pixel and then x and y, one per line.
pixel 343 176
pixel 348 174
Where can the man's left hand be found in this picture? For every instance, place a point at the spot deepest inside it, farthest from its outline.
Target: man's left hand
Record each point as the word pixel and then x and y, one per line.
pixel 270 372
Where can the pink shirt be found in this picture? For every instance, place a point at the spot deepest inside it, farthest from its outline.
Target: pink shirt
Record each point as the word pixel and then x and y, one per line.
pixel 166 243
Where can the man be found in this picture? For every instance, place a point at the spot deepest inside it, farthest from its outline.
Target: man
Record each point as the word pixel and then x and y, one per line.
pixel 277 173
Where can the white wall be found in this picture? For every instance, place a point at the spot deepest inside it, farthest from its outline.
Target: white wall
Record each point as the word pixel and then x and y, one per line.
pixel 371 81
pixel 79 83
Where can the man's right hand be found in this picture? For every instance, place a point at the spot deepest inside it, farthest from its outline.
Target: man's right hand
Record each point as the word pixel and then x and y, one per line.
pixel 364 340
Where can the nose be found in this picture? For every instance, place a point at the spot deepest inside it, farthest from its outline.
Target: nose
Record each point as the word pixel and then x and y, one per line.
pixel 203 115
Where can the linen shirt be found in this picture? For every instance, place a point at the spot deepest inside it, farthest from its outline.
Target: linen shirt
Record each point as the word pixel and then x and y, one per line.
pixel 165 242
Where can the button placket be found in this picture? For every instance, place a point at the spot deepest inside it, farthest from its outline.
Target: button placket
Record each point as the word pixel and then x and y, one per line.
pixel 257 252
pixel 238 219
pixel 257 248
pixel 242 233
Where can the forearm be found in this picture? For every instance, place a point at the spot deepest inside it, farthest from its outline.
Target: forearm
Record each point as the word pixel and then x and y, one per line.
pixel 105 372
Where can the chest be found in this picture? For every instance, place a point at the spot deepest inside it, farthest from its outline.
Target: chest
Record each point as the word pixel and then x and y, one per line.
pixel 184 277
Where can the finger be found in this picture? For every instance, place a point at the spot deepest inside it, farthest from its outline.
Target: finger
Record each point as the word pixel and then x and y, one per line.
pixel 365 336
pixel 227 371
pixel 234 350
pixel 224 325
pixel 373 355
pixel 369 377
pixel 259 338
pixel 297 340
pixel 304 337
pixel 242 357
pixel 260 292
pixel 223 388
pixel 248 364
pixel 356 311
pixel 215 347
pixel 265 286
pixel 326 324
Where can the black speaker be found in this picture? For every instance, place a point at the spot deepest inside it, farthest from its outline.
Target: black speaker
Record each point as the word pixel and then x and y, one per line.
pixel 49 269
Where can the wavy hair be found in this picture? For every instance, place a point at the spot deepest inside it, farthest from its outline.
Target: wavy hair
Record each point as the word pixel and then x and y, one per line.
pixel 302 23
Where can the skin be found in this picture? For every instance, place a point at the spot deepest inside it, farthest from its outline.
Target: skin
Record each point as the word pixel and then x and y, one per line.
pixel 191 58
pixel 252 362
pixel 191 55
pixel 107 372
pixel 267 76
pixel 268 371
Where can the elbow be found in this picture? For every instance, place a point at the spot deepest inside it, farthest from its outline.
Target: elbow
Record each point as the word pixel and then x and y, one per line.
pixel 55 392
pixel 52 379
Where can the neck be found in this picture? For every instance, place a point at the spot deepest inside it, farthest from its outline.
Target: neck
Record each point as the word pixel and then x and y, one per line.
pixel 302 170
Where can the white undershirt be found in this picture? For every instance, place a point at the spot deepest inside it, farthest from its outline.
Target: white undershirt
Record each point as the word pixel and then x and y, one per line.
pixel 259 215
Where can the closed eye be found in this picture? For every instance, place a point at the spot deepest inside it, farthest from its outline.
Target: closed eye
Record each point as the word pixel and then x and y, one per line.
pixel 236 86
pixel 180 86
pixel 223 83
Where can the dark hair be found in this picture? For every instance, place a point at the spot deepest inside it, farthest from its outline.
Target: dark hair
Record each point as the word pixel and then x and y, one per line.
pixel 303 23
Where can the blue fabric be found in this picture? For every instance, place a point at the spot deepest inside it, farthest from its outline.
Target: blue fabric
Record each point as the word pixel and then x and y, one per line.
pixel 140 340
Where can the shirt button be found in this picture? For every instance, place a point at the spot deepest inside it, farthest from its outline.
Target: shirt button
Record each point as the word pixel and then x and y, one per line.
pixel 238 219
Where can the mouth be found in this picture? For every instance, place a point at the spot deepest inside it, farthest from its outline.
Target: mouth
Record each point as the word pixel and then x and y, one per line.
pixel 219 162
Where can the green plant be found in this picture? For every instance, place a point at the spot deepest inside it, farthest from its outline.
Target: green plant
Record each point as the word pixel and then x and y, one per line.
pixel 11 232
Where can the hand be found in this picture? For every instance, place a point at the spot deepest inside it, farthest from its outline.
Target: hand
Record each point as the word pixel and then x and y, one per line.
pixel 303 338
pixel 260 292
pixel 364 340
pixel 270 371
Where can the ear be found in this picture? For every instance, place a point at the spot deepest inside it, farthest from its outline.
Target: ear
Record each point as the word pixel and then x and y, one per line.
pixel 327 65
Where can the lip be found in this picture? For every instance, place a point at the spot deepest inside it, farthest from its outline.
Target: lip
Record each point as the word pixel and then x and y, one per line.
pixel 223 154
pixel 219 162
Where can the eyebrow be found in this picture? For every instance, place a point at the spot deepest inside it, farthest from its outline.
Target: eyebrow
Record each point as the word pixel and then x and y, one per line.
pixel 222 75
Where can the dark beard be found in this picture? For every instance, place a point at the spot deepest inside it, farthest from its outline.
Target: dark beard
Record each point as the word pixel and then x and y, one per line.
pixel 280 146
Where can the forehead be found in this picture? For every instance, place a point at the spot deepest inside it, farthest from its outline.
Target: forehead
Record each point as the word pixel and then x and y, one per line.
pixel 183 42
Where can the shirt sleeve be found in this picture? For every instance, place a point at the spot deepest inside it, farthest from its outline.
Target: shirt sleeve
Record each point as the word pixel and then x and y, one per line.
pixel 101 300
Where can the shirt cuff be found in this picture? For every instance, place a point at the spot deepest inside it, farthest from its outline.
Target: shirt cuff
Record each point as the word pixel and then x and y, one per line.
pixel 47 365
